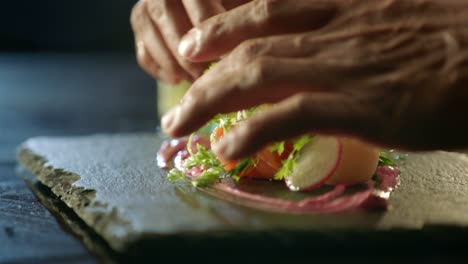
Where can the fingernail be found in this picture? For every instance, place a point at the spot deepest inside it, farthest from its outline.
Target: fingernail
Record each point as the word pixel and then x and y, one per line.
pixel 188 44
pixel 167 121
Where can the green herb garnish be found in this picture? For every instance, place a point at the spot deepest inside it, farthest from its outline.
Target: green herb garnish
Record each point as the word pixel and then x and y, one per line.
pixel 213 170
pixel 289 164
pixel 385 159
pixel 176 175
pixel 277 147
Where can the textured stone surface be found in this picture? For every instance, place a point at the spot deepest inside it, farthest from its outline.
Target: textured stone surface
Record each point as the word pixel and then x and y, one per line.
pixel 112 182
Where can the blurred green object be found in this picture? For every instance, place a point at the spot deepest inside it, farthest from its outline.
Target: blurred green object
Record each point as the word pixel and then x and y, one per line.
pixel 168 95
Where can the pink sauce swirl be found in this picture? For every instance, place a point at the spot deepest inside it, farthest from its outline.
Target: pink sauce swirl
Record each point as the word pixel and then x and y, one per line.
pixel 373 195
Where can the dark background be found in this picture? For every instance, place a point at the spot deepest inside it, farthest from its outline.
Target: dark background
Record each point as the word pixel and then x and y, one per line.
pixel 67 68
pixel 66 25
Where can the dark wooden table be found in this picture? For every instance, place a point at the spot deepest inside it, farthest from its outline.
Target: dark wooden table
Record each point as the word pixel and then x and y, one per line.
pixel 60 94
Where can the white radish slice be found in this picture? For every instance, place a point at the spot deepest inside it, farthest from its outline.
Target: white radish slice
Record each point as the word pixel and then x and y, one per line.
pixel 358 164
pixel 317 162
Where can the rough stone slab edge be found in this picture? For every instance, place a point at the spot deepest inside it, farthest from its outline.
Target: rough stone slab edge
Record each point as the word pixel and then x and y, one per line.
pixel 95 214
pixel 68 219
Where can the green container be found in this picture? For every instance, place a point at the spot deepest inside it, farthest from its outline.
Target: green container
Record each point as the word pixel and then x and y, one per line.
pixel 169 95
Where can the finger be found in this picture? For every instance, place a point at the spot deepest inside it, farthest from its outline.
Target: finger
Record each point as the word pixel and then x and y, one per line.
pixel 267 80
pixel 200 10
pixel 329 113
pixel 151 47
pixel 222 33
pixel 146 62
pixel 172 20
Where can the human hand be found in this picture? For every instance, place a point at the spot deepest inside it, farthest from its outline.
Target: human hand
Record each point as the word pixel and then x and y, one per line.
pixel 220 34
pixel 390 72
pixel 159 25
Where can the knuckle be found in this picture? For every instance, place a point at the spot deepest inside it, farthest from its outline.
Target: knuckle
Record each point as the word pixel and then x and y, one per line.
pixel 259 69
pixel 197 70
pixel 215 27
pixel 249 132
pixel 302 42
pixel 173 69
pixel 156 8
pixel 299 104
pixel 266 9
pixel 143 59
pixel 137 13
pixel 254 129
pixel 146 63
pixel 195 100
pixel 249 51
pixel 140 50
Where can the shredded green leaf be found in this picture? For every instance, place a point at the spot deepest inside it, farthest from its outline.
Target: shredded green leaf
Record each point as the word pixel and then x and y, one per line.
pixel 289 164
pixel 385 159
pixel 277 147
pixel 225 120
pixel 240 168
pixel 301 142
pixel 288 167
pixel 176 175
pixel 203 157
pixel 213 170
pixel 207 178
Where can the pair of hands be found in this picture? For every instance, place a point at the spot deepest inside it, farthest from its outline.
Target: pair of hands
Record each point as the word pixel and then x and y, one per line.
pixel 389 72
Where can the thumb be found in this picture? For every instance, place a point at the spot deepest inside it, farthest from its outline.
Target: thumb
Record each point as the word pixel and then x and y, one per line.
pixel 220 34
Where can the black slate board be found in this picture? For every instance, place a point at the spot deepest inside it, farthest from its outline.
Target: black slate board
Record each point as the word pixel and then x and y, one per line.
pixel 112 184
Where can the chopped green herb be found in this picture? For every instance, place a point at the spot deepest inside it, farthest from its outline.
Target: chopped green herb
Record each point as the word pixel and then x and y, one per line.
pixel 225 120
pixel 289 164
pixel 203 157
pixel 207 178
pixel 176 175
pixel 240 168
pixel 278 147
pixel 301 142
pixel 385 160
